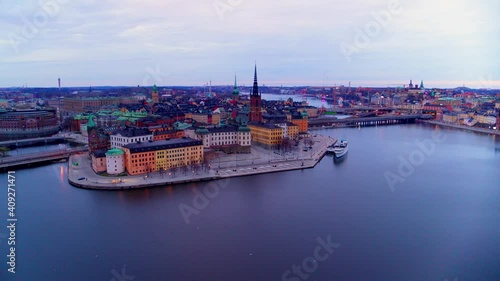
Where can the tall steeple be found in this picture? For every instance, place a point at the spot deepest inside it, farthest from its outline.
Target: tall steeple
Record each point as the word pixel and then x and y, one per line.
pixel 236 92
pixel 255 101
pixel 255 91
pixel 155 96
pixel 422 84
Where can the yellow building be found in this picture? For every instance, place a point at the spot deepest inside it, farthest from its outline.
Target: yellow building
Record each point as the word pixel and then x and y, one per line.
pixel 267 135
pixel 147 157
pixel 215 119
pixel 201 118
pixel 293 131
pixel 290 131
pixel 450 117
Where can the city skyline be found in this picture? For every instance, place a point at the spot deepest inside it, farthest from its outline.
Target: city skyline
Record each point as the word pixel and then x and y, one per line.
pixel 372 43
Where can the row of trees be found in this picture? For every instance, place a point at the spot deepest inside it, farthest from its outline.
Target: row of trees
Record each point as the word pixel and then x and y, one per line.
pixel 184 169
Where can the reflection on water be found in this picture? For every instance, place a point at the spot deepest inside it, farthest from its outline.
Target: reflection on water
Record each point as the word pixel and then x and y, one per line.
pixel 446 214
pixel 340 160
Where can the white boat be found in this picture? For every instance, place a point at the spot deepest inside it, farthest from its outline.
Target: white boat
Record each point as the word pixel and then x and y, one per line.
pixel 339 148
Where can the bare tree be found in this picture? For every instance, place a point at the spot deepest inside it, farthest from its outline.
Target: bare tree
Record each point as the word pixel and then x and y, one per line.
pixel 184 169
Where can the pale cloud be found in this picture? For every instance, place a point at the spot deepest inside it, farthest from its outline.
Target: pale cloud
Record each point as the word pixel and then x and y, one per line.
pixel 112 42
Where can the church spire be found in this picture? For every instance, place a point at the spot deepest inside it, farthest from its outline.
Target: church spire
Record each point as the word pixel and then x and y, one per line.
pixel 235 90
pixel 255 91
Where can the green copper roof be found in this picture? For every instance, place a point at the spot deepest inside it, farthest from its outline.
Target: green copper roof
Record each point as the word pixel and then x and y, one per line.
pixel 236 92
pixel 91 122
pixel 244 128
pixel 202 131
pixel 154 88
pixel 304 113
pixel 115 152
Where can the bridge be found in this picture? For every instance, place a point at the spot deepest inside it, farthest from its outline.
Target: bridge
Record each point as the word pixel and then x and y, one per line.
pixel 34 159
pixel 365 121
pixel 29 142
pixel 42 141
pixel 349 110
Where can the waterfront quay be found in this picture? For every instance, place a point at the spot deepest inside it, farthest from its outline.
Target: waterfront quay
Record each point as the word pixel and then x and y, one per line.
pixel 462 127
pixel 260 161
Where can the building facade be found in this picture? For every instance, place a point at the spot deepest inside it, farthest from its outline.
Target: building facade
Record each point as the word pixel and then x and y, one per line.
pixel 227 138
pixel 170 134
pixel 302 121
pixel 290 130
pixel 99 161
pixel 120 138
pixel 267 135
pixel 115 163
pixel 31 123
pixel 98 140
pixel 142 158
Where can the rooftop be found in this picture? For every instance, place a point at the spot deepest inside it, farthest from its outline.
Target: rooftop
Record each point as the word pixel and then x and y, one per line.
pixel 115 152
pixel 132 132
pixel 162 145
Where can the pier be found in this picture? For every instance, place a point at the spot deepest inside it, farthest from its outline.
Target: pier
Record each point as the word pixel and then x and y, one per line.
pixel 84 177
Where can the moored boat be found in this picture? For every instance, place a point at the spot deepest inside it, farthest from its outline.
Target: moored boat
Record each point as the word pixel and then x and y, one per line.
pixel 339 148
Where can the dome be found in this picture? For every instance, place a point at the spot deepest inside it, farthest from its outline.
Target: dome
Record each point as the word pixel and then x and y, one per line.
pixel 244 128
pixel 202 131
pixel 115 152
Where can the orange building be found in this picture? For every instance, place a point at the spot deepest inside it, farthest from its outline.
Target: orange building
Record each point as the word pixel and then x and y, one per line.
pixel 302 121
pixel 99 161
pixel 172 134
pixel 152 156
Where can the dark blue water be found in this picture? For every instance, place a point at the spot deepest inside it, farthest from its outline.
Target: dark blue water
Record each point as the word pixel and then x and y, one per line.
pixel 442 222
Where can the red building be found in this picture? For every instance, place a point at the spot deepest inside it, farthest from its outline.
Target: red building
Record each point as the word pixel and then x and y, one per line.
pixel 98 140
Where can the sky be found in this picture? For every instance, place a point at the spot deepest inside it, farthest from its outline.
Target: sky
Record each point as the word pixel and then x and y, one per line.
pixel 191 42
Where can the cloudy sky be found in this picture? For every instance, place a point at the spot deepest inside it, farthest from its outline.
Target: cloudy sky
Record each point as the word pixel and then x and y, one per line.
pixel 190 42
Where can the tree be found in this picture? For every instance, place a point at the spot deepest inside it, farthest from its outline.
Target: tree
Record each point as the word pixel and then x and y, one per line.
pixel 184 169
pixel 3 151
pixel 173 171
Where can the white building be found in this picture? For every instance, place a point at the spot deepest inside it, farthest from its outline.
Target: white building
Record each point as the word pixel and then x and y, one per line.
pixel 238 138
pixel 115 161
pixel 121 138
